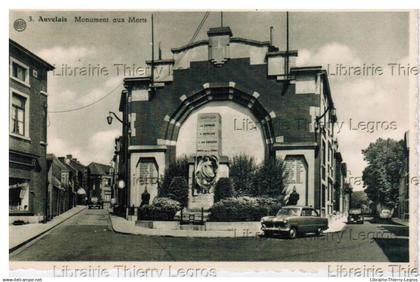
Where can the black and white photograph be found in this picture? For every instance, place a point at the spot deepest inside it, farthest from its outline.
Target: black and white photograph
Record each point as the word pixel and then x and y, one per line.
pixel 279 137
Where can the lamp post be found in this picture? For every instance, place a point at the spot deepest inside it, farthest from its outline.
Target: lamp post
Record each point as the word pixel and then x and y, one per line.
pixel 122 182
pixel 109 118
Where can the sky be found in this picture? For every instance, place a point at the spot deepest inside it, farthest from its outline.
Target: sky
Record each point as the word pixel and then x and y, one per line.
pixel 348 39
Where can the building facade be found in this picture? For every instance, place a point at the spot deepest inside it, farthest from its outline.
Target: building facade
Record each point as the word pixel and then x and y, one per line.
pixel 28 105
pixel 255 102
pixel 100 182
pixel 61 194
pixel 79 177
pixel 404 194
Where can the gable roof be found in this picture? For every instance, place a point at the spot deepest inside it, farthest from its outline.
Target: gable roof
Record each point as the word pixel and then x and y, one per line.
pixel 99 169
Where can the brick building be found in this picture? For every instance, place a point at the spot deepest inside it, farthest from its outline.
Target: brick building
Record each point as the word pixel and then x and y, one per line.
pixel 79 177
pixel 100 182
pixel 267 108
pixel 61 194
pixel 28 104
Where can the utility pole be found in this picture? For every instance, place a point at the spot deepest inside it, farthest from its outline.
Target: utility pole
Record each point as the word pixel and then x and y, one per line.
pixel 271 35
pixel 153 55
pixel 287 46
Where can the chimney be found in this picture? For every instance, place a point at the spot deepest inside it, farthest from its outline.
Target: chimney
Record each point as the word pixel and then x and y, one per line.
pixel 69 157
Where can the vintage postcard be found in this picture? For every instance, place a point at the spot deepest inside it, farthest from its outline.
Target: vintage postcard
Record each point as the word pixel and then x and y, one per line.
pixel 200 143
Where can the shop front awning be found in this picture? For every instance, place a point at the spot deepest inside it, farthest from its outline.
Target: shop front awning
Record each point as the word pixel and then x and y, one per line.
pixel 19 185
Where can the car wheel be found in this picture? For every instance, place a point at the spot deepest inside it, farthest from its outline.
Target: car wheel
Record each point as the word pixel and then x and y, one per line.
pixel 318 231
pixel 292 233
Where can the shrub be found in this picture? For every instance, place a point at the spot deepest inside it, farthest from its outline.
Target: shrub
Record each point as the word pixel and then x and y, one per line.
pixel 270 178
pixel 244 209
pixel 267 179
pixel 242 172
pixel 178 190
pixel 160 209
pixel 177 169
pixel 223 189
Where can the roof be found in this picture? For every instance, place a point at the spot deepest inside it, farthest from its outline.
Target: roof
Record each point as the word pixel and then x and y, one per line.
pixel 222 30
pixel 16 45
pixel 56 161
pixel 77 165
pixel 99 169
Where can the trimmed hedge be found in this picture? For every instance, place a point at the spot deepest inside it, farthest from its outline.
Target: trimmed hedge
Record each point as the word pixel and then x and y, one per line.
pixel 161 209
pixel 244 209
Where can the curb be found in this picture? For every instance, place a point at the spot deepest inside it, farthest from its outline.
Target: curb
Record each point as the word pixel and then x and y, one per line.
pixel 175 235
pixel 12 249
pixel 117 231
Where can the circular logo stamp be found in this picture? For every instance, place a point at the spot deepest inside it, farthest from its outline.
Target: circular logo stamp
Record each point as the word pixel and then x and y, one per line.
pixel 19 25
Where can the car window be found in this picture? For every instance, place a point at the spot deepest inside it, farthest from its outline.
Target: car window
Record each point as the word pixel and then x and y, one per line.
pixel 306 212
pixel 314 213
pixel 288 211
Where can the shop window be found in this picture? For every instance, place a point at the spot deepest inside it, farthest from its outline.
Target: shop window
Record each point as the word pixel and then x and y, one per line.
pixel 19 196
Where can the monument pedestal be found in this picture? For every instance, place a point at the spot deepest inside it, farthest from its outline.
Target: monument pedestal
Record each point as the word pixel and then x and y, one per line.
pixel 198 200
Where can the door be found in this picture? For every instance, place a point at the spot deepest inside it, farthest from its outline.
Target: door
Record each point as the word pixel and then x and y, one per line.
pixel 307 221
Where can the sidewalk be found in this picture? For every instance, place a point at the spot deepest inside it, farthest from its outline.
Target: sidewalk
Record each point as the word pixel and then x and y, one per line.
pixel 121 225
pixel 336 224
pixel 401 221
pixel 21 234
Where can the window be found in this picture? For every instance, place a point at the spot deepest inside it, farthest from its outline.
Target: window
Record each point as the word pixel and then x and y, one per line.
pixel 18 114
pixel 19 71
pixel 18 195
pixel 314 212
pixel 306 212
pixel 65 178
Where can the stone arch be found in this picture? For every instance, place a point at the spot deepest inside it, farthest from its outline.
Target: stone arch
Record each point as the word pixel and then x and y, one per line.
pixel 229 91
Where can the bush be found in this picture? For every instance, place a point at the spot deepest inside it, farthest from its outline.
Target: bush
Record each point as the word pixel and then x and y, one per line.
pixel 223 189
pixel 267 179
pixel 244 209
pixel 270 178
pixel 242 172
pixel 178 190
pixel 178 168
pixel 160 209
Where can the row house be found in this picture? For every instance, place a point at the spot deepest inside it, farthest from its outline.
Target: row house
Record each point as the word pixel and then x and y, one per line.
pixel 61 193
pixel 100 182
pixel 80 177
pixel 28 107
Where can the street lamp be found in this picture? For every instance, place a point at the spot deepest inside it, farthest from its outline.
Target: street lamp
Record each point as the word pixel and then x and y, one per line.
pixel 109 118
pixel 121 184
pixel 332 111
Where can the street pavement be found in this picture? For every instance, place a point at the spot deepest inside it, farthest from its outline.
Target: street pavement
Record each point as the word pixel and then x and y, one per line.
pixel 88 236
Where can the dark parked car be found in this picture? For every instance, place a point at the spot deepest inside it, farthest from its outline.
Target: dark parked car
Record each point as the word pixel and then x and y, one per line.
pixel 292 220
pixel 355 216
pixel 95 203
